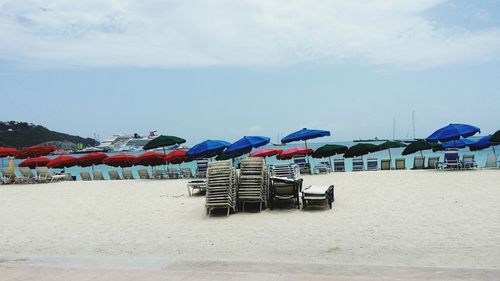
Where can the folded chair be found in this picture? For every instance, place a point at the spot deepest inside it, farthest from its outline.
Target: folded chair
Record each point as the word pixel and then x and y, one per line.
pixel 418 162
pixel 385 164
pixel 357 164
pixel 433 163
pixel 491 161
pixel 85 176
pixel 339 165
pixel 400 164
pixel 372 164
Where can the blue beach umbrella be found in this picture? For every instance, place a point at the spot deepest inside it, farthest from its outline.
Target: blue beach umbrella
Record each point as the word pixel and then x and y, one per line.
pixel 453 132
pixel 461 143
pixel 207 149
pixel 245 144
pixel 304 135
pixel 481 144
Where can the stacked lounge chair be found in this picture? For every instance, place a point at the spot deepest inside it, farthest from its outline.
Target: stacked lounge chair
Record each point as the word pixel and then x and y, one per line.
pixel 221 187
pixel 338 165
pixel 372 164
pixel 201 168
pixel 285 183
pixel 253 182
pixel 357 164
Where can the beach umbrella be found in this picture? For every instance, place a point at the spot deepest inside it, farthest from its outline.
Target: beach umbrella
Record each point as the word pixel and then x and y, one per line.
pixel 264 152
pixel 304 135
pixel 329 150
pixel 495 138
pixel 35 162
pixel 460 143
pixel 360 149
pixel 246 144
pixel 163 141
pixel 8 151
pixel 481 144
pixel 207 149
pixel 62 162
pixel 35 151
pixel 225 156
pixel 419 145
pixel 390 144
pixel 150 158
pixel 120 160
pixel 176 156
pixel 94 158
pixel 453 132
pixel 294 151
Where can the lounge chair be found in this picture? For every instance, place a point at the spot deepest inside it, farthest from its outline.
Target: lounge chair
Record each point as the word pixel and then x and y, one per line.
pixel 491 161
pixel 372 164
pixel 385 164
pixel 173 173
pixel 114 175
pixel 8 176
pixel 98 176
pixel 143 174
pixel 221 187
pixel 418 162
pixel 433 163
pixel 322 167
pixel 127 174
pixel 43 174
pixel 468 161
pixel 28 176
pixel 301 161
pixel 201 168
pixel 85 176
pixel 186 172
pixel 339 165
pixel 253 182
pixel 358 164
pixel 200 184
pixel 451 160
pixel 318 193
pixel 285 183
pixel 159 174
pixel 400 164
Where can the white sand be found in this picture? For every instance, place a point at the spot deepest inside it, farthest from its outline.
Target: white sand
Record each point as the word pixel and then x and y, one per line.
pixel 397 218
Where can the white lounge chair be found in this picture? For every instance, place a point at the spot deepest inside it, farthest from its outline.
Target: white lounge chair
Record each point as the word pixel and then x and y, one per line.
pixel 98 176
pixel 468 161
pixel 318 193
pixel 301 161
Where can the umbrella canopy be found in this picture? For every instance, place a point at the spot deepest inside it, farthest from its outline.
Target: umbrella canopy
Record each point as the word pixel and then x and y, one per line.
pixel 225 156
pixel 163 141
pixel 207 149
pixel 294 151
pixel 390 144
pixel 94 158
pixel 8 151
pixel 62 161
pixel 176 156
pixel 495 138
pixel 150 158
pixel 461 143
pixel 36 151
pixel 480 144
pixel 329 150
pixel 419 145
pixel 264 152
pixel 304 135
pixel 120 160
pixel 246 143
pixel 35 162
pixel 453 132
pixel 360 149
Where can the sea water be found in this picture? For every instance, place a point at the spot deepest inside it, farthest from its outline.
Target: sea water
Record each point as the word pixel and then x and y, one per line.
pixel 480 157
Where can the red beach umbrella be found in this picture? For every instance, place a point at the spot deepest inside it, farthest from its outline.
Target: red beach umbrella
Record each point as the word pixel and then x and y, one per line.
pixel 120 160
pixel 264 152
pixel 36 151
pixel 62 161
pixel 35 162
pixel 94 158
pixel 150 159
pixel 294 151
pixel 8 151
pixel 176 156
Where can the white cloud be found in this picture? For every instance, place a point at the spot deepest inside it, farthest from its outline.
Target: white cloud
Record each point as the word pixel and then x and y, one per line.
pixel 234 33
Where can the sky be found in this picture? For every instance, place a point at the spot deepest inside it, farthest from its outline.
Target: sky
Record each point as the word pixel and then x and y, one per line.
pixel 223 69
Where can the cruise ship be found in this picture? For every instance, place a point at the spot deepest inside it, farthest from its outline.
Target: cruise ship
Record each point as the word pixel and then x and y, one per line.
pixel 125 142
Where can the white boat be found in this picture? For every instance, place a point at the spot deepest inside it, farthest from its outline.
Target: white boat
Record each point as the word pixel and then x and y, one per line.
pixel 126 142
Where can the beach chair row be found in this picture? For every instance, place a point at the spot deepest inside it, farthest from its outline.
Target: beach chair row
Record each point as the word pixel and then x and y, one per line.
pixel 144 174
pixel 26 176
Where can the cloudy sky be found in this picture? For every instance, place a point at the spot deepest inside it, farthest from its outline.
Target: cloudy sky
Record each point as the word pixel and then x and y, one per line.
pixel 223 69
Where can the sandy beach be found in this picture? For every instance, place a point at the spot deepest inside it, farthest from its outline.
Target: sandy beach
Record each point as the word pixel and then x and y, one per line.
pixel 385 218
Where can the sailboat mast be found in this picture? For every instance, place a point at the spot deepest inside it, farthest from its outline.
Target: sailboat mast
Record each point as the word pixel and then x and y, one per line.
pixel 413 121
pixel 394 129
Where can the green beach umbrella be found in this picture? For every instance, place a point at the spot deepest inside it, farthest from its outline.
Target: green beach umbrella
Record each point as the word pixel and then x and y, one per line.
pixel 495 138
pixel 329 150
pixel 163 141
pixel 360 149
pixel 419 145
pixel 390 144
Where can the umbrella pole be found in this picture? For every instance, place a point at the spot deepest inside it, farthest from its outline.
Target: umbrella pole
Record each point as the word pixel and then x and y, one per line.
pixel 331 167
pixel 421 154
pixel 390 160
